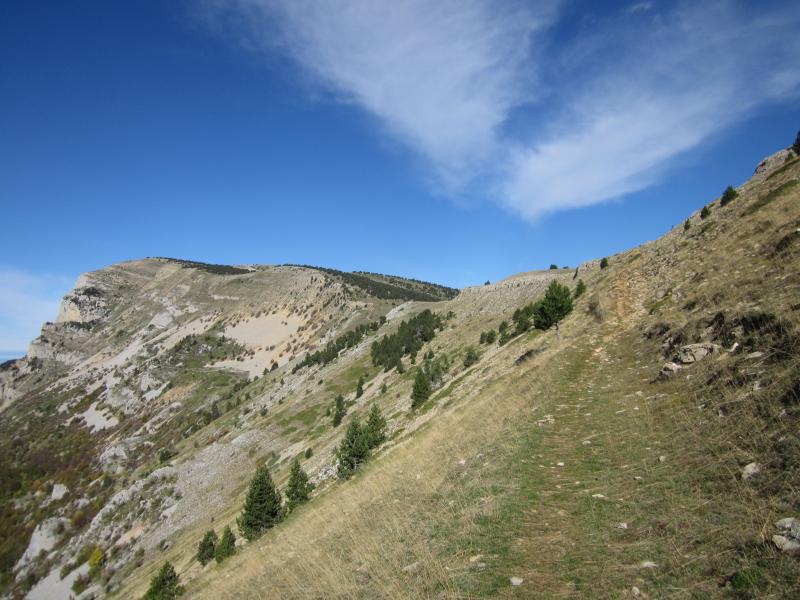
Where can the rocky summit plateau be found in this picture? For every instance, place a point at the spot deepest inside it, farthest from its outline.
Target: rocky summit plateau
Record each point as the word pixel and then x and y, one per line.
pixel 623 428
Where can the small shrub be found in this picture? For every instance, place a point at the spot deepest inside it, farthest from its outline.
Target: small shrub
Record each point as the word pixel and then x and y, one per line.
pixel 339 410
pixel 96 561
pixel 375 427
pixel 226 546
pixel 686 225
pixel 421 390
pixel 491 336
pixel 165 455
pixel 298 488
pixel 471 357
pixel 705 212
pixel 603 263
pixel 360 387
pixel 596 308
pixel 580 289
pixel 308 453
pixel 553 267
pixel 728 195
pixel 354 449
pixel 796 145
pixel 206 548
pixel 165 585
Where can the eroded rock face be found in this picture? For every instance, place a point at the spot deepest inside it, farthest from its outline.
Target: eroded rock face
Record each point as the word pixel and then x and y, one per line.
pixel 769 164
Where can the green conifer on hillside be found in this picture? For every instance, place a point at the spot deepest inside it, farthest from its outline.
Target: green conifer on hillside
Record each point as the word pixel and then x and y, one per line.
pixel 421 390
pixel 262 507
pixel 354 449
pixel 205 551
pixel 165 585
pixel 339 410
pixel 298 488
pixel 226 546
pixel 375 427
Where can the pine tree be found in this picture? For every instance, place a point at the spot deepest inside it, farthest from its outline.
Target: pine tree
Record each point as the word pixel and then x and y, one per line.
pixel 165 585
pixel 603 263
pixel 298 488
pixel 205 551
pixel 705 212
pixel 339 410
pixel 471 356
pixel 360 387
pixel 375 427
pixel 421 390
pixel 729 194
pixel 687 224
pixel 580 289
pixel 491 336
pixel 796 145
pixel 262 507
pixel 354 449
pixel 556 304
pixel 226 546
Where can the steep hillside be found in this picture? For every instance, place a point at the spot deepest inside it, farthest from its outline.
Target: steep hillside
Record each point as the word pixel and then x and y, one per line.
pixel 645 447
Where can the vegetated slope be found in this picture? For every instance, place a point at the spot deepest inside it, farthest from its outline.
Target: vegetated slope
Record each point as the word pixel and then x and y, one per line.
pixel 138 415
pixel 577 463
pixel 391 287
pixel 564 460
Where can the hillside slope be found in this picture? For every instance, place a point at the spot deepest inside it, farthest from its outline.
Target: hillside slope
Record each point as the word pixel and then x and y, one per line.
pixel 574 464
pixel 646 447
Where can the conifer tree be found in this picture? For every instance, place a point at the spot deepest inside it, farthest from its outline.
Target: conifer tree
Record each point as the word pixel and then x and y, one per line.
pixel 226 546
pixel 339 410
pixel 421 390
pixel 375 427
pixel 165 585
pixel 471 356
pixel 705 212
pixel 603 263
pixel 580 289
pixel 728 195
pixel 796 145
pixel 354 449
pixel 360 387
pixel 205 551
pixel 554 306
pixel 298 488
pixel 262 507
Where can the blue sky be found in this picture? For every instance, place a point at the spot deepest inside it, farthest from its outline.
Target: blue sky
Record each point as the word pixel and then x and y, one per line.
pixel 455 141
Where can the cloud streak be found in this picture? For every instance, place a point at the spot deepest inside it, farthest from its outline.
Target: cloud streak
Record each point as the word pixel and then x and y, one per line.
pixel 616 103
pixel 26 301
pixel 688 77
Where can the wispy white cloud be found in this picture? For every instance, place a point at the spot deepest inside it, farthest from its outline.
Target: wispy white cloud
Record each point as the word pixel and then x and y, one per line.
pixel 623 99
pixel 26 302
pixel 440 76
pixel 687 77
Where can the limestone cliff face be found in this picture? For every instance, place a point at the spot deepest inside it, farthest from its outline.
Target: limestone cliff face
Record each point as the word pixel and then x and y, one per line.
pixel 86 302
